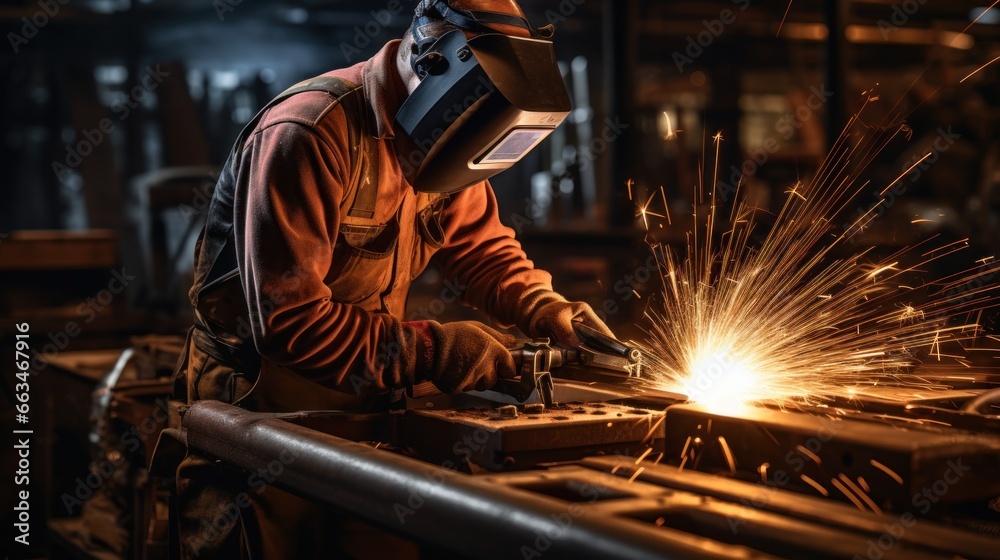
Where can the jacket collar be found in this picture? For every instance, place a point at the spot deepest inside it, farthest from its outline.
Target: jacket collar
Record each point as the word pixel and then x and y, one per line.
pixel 384 89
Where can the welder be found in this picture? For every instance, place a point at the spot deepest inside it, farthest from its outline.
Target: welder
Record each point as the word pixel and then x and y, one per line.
pixel 334 198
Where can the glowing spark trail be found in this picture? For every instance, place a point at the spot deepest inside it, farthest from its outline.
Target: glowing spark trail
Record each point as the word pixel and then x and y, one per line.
pixel 729 454
pixel 977 70
pixel 687 444
pixel 671 132
pixel 644 455
pixel 864 484
pixel 636 474
pixel 904 174
pixel 861 493
pixel 980 16
pixel 847 493
pixel 819 487
pixel 784 17
pixel 815 458
pixel 892 474
pixel 791 319
pixel 666 205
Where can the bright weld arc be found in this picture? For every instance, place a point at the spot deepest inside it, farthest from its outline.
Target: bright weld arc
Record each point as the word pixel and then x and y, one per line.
pixel 784 322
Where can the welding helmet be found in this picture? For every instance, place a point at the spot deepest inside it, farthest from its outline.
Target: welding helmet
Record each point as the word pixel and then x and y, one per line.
pixel 482 103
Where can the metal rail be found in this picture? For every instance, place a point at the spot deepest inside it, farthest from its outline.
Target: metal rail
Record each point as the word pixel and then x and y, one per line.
pixel 463 514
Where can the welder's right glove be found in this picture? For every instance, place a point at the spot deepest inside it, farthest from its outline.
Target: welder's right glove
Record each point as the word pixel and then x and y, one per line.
pixel 462 356
pixel 546 314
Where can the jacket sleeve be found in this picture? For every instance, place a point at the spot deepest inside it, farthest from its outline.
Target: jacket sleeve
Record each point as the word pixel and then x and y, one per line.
pixel 290 183
pixel 482 256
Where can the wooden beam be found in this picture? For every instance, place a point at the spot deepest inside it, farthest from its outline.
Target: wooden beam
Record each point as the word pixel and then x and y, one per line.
pixel 59 250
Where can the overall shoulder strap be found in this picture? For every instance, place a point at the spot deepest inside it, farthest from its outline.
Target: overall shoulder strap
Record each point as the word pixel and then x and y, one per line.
pixel 361 194
pixel 362 190
pixel 336 87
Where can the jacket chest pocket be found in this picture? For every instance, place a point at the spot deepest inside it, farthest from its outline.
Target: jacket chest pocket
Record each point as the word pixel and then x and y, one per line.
pixel 362 263
pixel 430 237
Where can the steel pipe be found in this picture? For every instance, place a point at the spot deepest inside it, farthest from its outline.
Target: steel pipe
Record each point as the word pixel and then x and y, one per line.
pixel 452 511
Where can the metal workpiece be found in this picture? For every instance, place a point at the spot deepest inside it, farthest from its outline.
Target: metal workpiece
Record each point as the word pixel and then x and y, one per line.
pixel 987 404
pixel 877 466
pixel 768 519
pixel 773 497
pixel 462 514
pixel 496 439
pixel 957 408
pixel 632 501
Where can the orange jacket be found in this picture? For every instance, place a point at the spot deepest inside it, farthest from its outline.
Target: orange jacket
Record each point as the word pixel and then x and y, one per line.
pixel 325 291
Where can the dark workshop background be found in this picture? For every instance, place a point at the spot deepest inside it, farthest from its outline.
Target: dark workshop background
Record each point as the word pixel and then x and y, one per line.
pixel 116 114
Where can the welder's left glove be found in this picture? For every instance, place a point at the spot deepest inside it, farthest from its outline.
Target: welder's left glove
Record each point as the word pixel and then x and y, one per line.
pixel 546 314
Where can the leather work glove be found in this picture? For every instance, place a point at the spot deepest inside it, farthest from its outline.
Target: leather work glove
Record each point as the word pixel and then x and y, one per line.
pixel 549 315
pixel 462 356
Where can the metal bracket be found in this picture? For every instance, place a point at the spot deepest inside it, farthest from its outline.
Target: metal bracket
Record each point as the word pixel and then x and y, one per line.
pixel 537 358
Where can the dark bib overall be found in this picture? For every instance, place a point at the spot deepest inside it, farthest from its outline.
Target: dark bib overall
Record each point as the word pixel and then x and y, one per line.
pixel 222 514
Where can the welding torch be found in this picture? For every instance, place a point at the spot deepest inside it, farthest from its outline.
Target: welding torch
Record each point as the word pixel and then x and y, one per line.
pixel 536 359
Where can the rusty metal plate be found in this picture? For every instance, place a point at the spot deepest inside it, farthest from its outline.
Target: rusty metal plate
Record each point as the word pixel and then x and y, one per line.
pixel 876 466
pixel 494 440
